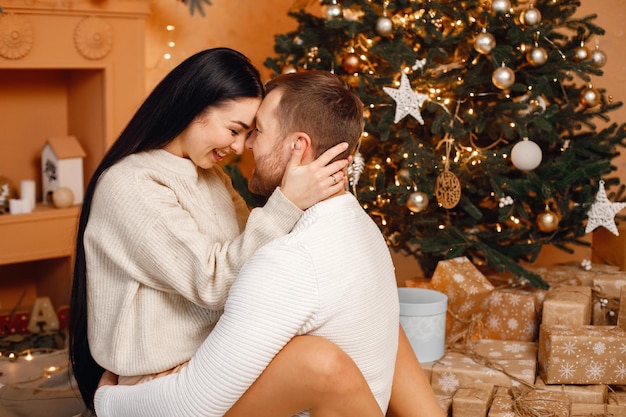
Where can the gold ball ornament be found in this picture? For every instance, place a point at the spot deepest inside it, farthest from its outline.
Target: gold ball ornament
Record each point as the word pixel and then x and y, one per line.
pixel 334 11
pixel 537 56
pixel 62 197
pixel 589 97
pixel 503 77
pixel 384 26
pixel 548 221
pixel 581 53
pixel 484 42
pixel 530 16
pixel 501 6
pixel 417 201
pixel 351 63
pixel 598 58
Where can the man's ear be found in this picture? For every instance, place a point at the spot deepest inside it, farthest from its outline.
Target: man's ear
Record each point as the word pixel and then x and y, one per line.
pixel 303 141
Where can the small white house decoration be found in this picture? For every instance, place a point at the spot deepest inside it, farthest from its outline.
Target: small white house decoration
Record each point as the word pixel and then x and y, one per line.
pixel 62 166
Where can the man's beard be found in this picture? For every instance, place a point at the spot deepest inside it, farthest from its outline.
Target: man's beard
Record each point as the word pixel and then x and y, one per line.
pixel 267 174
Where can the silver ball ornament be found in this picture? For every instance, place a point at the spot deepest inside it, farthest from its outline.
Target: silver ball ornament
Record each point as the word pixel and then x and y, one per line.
pixel 531 17
pixel 334 11
pixel 384 26
pixel 417 201
pixel 589 97
pixel 484 42
pixel 503 77
pixel 526 155
pixel 581 53
pixel 598 58
pixel 537 56
pixel 501 6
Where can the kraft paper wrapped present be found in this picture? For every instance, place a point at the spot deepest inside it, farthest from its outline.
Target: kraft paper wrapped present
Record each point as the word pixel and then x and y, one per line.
pixel 511 314
pixel 498 362
pixel 529 402
pixel 606 296
pixel 582 354
pixel 589 394
pixel 502 405
pixel 599 410
pixel 567 306
pixel 473 401
pixel 466 288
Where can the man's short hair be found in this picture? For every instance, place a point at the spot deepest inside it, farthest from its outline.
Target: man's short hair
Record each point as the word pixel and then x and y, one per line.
pixel 320 104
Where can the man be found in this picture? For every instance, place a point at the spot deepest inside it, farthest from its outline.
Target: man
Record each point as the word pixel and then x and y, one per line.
pixel 332 276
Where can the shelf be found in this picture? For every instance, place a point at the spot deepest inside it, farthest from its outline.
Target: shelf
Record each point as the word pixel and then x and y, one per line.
pixel 45 233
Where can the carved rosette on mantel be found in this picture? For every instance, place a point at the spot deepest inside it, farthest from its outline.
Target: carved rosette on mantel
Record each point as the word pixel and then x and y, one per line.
pixel 16 36
pixel 93 38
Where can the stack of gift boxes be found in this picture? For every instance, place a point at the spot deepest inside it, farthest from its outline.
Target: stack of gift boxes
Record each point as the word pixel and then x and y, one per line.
pixel 514 350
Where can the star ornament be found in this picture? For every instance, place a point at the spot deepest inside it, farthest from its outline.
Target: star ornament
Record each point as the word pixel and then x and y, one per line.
pixel 407 100
pixel 602 212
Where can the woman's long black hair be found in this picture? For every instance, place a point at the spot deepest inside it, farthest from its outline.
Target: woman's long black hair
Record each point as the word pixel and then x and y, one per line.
pixel 205 79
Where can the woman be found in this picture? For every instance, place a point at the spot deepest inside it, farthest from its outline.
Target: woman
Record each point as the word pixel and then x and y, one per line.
pixel 162 233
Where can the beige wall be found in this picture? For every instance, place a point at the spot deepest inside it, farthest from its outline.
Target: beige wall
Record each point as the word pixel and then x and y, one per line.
pixel 250 26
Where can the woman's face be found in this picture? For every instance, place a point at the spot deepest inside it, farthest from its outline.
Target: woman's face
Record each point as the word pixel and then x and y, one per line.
pixel 217 132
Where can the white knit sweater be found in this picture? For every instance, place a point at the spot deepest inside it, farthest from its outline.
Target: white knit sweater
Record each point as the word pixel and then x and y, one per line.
pixel 163 244
pixel 332 276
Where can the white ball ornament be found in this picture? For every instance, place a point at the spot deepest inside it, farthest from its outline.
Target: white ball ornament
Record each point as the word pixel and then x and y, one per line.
pixel 526 155
pixel 62 197
pixel 501 6
pixel 384 26
pixel 484 42
pixel 503 77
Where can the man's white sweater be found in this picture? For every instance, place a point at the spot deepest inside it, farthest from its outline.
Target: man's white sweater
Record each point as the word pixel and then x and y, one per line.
pixel 332 276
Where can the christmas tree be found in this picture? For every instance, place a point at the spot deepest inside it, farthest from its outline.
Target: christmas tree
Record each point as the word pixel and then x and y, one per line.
pixel 482 135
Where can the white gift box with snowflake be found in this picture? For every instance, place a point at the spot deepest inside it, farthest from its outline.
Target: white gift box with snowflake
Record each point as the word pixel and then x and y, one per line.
pixel 582 354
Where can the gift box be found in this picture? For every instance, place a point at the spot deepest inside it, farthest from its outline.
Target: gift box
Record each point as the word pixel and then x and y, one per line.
pixel 466 288
pixel 567 306
pixel 529 402
pixel 502 404
pixel 498 362
pixel 607 248
pixel 587 410
pixel 575 274
pixel 606 296
pixel 582 354
pixel 590 394
pixel 511 314
pixel 472 401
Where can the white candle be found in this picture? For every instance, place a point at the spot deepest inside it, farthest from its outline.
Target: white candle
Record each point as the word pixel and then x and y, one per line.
pixel 27 192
